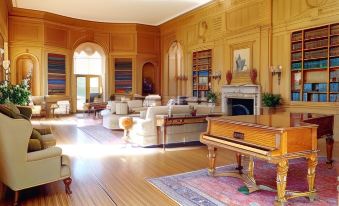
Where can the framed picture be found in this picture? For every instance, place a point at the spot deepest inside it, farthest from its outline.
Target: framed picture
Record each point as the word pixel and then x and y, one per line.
pixel 241 60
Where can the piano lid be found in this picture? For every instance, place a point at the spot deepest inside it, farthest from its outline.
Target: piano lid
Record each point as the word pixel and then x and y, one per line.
pixel 279 120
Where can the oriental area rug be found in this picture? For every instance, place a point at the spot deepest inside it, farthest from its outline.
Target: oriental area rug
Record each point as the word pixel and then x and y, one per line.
pixel 197 188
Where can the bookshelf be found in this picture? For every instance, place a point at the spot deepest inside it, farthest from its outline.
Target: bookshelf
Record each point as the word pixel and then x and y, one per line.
pixel 315 64
pixel 201 72
pixel 56 76
pixel 123 75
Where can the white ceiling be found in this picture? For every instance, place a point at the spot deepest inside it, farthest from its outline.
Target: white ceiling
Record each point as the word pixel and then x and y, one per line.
pixel 151 12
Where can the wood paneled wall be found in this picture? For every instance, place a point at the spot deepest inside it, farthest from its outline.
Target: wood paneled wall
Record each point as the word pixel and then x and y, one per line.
pixel 39 33
pixel 221 26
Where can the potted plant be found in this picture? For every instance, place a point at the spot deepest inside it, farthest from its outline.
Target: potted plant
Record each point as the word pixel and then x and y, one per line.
pixel 211 98
pixel 270 102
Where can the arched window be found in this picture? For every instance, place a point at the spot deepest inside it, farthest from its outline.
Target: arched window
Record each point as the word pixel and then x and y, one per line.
pixel 175 68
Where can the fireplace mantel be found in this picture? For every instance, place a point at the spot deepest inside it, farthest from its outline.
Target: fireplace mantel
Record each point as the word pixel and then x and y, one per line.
pixel 247 91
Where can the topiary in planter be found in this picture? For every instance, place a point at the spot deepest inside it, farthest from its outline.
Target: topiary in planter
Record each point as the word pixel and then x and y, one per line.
pixel 271 100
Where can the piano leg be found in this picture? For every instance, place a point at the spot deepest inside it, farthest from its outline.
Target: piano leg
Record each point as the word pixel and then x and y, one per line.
pixel 329 149
pixel 312 164
pixel 239 167
pixel 211 160
pixel 282 169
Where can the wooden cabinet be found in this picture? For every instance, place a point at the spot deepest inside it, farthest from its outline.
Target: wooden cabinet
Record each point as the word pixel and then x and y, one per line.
pixel 202 68
pixel 315 64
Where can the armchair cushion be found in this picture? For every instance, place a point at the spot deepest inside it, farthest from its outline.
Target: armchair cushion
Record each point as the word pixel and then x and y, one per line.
pixel 44 154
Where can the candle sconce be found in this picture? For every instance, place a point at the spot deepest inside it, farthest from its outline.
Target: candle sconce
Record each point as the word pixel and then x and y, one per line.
pixel 277 71
pixel 5 64
pixel 216 75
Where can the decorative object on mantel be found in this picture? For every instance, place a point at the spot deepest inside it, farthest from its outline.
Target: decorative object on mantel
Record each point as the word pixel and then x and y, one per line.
pixel 270 102
pixel 229 77
pixel 276 70
pixel 216 75
pixel 253 75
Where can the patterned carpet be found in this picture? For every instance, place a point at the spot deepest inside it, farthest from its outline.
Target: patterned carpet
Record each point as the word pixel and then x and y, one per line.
pixel 197 188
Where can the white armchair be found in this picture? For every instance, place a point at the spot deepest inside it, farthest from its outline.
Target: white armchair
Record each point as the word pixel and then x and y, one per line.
pixel 18 168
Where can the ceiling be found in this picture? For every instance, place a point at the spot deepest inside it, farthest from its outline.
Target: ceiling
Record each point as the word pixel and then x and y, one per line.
pixel 151 12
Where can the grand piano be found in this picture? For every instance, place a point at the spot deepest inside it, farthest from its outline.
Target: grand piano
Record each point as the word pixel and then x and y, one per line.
pixel 275 138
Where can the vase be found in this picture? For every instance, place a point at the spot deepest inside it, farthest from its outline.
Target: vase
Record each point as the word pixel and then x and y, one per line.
pixel 229 77
pixel 253 76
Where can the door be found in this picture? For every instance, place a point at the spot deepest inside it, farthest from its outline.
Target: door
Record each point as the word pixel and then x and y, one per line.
pixel 88 88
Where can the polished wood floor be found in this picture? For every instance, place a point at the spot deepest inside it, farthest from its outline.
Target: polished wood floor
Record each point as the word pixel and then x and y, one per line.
pixel 106 175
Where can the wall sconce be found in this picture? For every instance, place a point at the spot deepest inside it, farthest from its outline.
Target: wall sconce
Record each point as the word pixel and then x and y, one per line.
pixel 277 71
pixel 216 75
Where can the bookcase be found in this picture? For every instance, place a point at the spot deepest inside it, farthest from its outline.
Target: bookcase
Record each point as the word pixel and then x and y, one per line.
pixel 123 75
pixel 315 64
pixel 56 77
pixel 201 68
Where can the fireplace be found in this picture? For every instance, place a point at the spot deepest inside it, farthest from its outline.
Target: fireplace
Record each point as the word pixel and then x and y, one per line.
pixel 240 106
pixel 241 99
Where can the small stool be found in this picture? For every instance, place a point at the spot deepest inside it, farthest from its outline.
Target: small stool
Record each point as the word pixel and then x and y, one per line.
pixel 125 123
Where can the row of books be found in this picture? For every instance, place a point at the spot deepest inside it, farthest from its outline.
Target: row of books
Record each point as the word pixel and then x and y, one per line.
pixel 315 87
pixel 334 62
pixel 334 76
pixel 316 33
pixel 296 56
pixel 334 87
pixel 315 64
pixel 334 29
pixel 334 51
pixel 295 96
pixel 315 97
pixel 296 66
pixel 201 67
pixel 296 46
pixel 296 36
pixel 334 97
pixel 202 61
pixel 315 44
pixel 334 40
pixel 315 54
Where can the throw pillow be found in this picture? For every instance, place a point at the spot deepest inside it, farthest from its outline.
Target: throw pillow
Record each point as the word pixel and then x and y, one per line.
pixel 34 145
pixel 12 107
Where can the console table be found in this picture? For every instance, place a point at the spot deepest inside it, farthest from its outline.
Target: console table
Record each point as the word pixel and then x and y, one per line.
pixel 177 120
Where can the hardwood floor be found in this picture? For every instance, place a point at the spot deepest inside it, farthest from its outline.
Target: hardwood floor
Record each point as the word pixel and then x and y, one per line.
pixel 105 175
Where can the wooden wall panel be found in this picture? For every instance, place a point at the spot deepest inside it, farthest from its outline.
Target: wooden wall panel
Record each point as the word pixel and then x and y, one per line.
pixel 148 43
pixel 121 42
pixel 56 36
pixel 4 20
pixel 25 31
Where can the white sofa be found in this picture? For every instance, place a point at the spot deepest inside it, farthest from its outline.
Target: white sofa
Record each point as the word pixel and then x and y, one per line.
pixel 144 132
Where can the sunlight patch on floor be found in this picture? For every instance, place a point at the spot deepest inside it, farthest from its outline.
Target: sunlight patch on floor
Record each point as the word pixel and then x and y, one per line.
pixel 95 151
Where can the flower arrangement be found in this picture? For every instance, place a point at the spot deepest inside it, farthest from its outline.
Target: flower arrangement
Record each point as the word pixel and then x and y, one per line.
pixel 17 94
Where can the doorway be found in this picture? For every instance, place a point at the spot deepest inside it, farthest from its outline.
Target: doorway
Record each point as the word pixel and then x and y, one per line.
pixel 89 70
pixel 88 88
